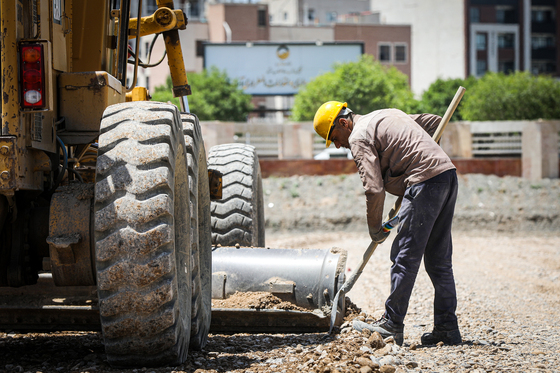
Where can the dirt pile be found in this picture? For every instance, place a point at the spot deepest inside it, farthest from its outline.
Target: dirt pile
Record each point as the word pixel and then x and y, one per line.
pixel 255 300
pixel 326 203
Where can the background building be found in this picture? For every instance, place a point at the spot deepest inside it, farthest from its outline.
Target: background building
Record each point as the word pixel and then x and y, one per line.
pixel 227 22
pixel 425 39
pixel 508 35
pixel 437 37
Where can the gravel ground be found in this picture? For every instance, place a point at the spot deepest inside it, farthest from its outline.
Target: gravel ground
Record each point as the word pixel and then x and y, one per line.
pixel 326 203
pixel 507 269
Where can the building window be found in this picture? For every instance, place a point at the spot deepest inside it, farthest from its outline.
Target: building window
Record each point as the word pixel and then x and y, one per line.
pixel 311 14
pixel 475 15
pixel 194 9
pixel 200 48
pixel 148 83
pixel 505 14
pixel 262 17
pixel 481 67
pixel 285 16
pixel 543 67
pixel 506 67
pixel 385 52
pixel 506 40
pixel 331 17
pixel 542 14
pixel 400 53
pixel 542 41
pixel 480 41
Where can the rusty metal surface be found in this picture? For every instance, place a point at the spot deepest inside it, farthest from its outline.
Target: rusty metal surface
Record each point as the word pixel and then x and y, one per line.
pixel 215 183
pixel 229 320
pixel 46 307
pixel 69 235
pixel 9 81
pixel 7 162
pixel 50 318
pixel 86 318
pixel 83 97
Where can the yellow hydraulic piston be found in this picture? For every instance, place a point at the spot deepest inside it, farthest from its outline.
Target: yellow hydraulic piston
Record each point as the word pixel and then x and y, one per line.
pixel 175 57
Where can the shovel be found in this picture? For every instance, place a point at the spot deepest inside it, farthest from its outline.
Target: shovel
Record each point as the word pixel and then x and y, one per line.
pixel 390 220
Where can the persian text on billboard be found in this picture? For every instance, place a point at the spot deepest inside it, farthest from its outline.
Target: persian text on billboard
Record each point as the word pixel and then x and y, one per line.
pixel 277 69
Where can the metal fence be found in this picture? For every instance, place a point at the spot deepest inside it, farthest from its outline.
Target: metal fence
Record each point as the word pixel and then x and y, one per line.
pixel 490 139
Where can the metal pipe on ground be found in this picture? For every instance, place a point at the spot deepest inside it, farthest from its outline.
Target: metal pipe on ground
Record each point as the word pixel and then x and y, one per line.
pixel 308 278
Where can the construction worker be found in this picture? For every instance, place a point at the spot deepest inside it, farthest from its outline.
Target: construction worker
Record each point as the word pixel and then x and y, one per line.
pixel 395 153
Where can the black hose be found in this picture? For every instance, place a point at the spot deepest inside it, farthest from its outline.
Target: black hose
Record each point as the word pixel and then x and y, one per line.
pixel 148 64
pixel 64 165
pixel 77 174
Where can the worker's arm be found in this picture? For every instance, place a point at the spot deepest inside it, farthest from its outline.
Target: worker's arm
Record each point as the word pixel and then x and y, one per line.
pixel 369 169
pixel 429 122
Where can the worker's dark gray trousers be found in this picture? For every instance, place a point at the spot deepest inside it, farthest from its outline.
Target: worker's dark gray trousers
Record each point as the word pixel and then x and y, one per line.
pixel 424 230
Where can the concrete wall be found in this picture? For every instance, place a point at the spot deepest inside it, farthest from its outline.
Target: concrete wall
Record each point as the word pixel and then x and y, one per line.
pixel 438 36
pixel 540 150
pixel 296 141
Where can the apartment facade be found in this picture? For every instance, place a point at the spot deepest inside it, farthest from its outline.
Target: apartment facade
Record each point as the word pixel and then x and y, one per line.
pixel 508 35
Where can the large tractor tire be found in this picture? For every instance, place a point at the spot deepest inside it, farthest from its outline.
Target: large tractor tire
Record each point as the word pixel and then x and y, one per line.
pixel 142 235
pixel 201 239
pixel 238 218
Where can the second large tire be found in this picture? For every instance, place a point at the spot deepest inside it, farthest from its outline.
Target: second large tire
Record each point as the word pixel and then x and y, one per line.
pixel 201 239
pixel 142 240
pixel 238 218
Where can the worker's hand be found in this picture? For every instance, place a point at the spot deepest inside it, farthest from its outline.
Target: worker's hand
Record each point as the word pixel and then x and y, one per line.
pixel 378 236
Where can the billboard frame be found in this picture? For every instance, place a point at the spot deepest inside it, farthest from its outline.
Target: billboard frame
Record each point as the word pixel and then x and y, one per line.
pixel 279 43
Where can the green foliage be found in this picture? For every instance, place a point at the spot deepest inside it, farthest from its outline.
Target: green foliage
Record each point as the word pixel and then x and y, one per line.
pixel 365 85
pixel 214 96
pixel 516 96
pixel 436 99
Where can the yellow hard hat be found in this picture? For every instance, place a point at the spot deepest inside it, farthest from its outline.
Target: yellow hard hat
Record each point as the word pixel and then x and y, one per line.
pixel 325 116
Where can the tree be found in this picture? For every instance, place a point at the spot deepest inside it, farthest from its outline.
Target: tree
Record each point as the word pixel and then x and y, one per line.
pixel 214 96
pixel 438 96
pixel 365 85
pixel 516 96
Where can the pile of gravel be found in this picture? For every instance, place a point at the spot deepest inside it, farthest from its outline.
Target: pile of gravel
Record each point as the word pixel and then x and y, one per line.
pixel 486 202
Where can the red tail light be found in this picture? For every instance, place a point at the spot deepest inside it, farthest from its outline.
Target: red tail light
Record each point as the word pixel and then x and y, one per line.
pixel 32 76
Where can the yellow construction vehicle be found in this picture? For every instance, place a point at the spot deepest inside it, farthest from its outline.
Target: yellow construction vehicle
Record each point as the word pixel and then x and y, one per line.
pixel 106 216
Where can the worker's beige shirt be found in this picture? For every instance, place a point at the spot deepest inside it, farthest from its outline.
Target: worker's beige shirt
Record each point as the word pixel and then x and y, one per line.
pixel 393 151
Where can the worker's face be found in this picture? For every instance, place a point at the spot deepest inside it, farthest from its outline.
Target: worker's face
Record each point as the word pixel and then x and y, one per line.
pixel 340 133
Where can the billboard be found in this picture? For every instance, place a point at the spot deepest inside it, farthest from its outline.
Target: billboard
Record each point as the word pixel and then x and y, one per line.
pixel 278 68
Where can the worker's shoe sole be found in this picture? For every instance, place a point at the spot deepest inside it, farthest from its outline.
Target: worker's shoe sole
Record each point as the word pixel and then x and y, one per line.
pixel 449 337
pixel 383 327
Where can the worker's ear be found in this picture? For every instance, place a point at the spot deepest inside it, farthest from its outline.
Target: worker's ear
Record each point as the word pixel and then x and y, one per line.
pixel 344 122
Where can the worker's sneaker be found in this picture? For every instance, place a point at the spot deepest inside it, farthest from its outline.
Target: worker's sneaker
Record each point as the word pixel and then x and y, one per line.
pixel 383 326
pixel 448 334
